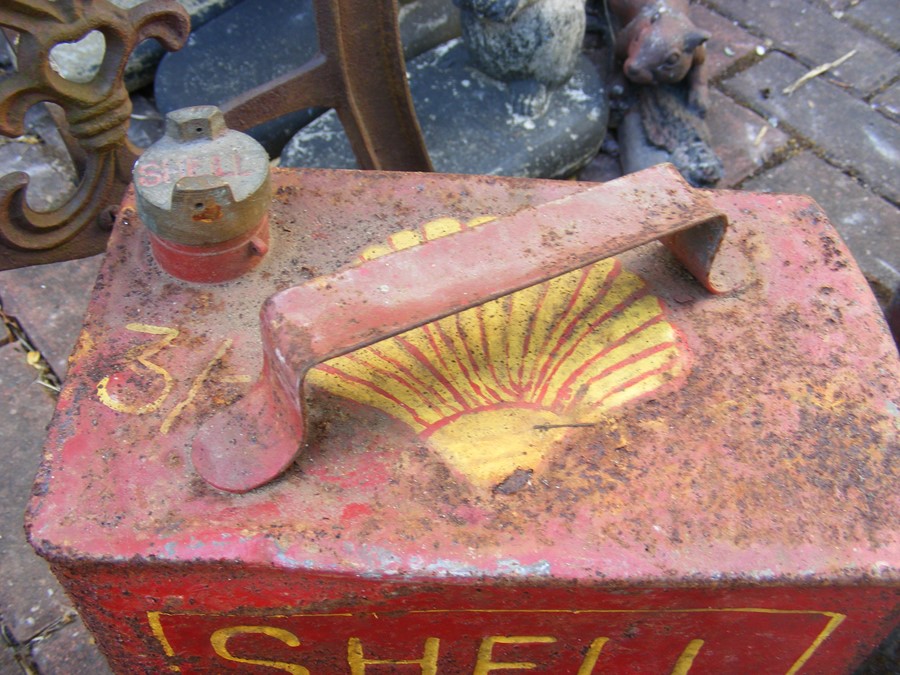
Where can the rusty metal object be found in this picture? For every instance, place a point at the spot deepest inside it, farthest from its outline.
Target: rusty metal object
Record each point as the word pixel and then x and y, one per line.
pixel 203 192
pixel 359 72
pixel 892 313
pixel 96 116
pixel 732 481
pixel 340 313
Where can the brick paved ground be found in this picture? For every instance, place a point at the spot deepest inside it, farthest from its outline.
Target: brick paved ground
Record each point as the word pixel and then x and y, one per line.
pixel 836 138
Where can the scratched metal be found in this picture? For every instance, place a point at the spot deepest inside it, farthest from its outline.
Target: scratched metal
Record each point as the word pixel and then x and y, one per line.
pixel 738 503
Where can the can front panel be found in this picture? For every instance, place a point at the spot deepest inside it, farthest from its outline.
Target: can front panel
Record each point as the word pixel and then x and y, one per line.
pixel 204 620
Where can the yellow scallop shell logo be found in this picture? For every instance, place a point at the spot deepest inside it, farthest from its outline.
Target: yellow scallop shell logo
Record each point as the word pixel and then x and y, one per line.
pixel 494 387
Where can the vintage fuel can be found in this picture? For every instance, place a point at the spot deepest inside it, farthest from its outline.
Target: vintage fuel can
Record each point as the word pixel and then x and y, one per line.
pixel 465 425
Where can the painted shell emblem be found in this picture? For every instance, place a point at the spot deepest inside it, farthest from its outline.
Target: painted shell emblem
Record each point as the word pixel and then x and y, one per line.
pixel 493 388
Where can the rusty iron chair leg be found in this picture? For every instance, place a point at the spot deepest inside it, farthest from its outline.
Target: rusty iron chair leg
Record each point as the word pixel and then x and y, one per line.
pixel 360 72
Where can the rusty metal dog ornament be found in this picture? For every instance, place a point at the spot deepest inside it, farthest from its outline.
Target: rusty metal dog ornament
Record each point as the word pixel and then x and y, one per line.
pixel 659 44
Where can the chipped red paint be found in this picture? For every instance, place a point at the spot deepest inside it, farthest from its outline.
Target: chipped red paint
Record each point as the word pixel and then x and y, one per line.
pixel 216 263
pixel 747 511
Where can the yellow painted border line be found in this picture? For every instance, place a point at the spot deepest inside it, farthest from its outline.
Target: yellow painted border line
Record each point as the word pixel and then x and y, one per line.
pixel 834 620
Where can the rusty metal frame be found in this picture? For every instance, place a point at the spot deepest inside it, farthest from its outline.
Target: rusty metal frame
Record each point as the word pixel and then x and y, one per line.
pixel 359 71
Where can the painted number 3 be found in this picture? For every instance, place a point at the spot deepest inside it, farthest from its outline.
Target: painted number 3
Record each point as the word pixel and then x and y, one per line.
pixel 144 356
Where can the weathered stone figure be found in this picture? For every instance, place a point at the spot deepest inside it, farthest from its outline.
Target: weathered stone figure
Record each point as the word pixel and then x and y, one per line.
pixel 532 45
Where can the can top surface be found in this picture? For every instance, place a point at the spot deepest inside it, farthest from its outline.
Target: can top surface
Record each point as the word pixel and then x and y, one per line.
pixel 616 425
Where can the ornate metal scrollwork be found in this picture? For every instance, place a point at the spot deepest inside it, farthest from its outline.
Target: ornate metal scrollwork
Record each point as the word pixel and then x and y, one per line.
pixel 94 117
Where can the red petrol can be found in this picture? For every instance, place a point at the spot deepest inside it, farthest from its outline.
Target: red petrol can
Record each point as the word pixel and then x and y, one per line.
pixel 484 425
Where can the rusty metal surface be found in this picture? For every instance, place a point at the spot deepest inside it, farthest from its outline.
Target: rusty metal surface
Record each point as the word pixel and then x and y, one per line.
pixel 753 467
pixel 95 118
pixel 893 315
pixel 359 71
pixel 340 313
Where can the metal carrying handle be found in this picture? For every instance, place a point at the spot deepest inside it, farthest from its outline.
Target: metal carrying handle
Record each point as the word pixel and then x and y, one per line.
pixel 258 437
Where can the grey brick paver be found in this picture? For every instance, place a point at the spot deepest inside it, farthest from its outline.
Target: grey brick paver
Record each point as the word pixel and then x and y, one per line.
pixel 8 665
pixel 734 131
pixel 869 224
pixel 849 131
pixel 813 35
pixel 729 42
pixel 72 651
pixel 881 17
pixel 888 102
pixel 30 597
pixel 838 5
pixel 49 301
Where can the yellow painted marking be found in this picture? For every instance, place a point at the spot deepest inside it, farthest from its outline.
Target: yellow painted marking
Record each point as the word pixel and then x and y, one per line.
pixel 488 446
pixel 834 621
pixel 142 356
pixel 480 220
pixel 199 381
pixel 686 660
pixel 405 239
pixel 219 642
pixel 83 347
pixel 484 663
pixel 556 353
pixel 236 379
pixel 375 252
pixel 428 663
pixel 593 653
pixel 441 227
pixel 157 630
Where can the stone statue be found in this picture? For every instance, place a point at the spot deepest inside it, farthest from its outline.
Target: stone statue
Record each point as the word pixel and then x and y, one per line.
pixel 532 45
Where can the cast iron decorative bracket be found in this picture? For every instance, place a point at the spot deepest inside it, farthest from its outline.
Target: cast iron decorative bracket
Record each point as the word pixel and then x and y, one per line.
pixel 93 118
pixel 359 71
